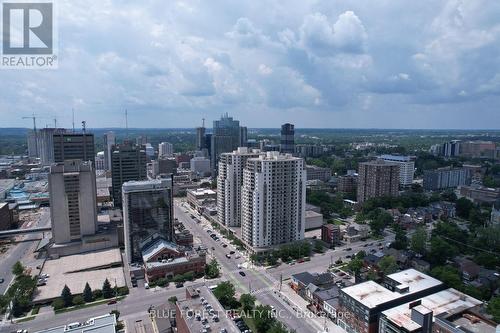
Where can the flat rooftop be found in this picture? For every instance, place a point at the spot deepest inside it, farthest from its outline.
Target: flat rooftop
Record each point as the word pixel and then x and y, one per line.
pixel 449 302
pixel 206 308
pixel 202 191
pixel 372 294
pixel 102 324
pixel 76 270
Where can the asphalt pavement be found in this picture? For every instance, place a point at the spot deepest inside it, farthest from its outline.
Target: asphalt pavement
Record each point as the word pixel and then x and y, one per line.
pixel 19 250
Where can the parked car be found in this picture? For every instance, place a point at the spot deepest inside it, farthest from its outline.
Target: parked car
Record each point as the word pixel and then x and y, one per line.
pixel 113 301
pixel 242 273
pixel 232 252
pixel 2 280
pixel 179 285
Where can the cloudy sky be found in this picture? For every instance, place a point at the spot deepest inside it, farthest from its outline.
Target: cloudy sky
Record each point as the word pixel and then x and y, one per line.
pixel 361 63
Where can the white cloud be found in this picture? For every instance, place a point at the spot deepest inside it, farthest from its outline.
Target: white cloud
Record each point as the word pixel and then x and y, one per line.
pixel 346 35
pixel 322 58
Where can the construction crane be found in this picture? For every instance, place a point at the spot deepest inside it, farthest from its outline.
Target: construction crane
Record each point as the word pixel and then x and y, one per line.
pixel 33 116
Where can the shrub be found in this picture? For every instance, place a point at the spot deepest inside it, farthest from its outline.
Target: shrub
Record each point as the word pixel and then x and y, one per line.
pixel 58 304
pixel 78 300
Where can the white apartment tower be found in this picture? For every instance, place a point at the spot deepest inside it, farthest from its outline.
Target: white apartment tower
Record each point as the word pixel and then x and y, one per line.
pixel 229 184
pixel 73 206
pixel 406 167
pixel 165 149
pixel 273 200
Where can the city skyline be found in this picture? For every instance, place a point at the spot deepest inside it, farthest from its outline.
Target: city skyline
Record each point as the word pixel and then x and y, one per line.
pixel 317 65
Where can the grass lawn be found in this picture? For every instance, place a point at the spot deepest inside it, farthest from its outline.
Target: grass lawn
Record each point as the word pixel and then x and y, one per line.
pixel 250 323
pixel 27 318
pixel 87 305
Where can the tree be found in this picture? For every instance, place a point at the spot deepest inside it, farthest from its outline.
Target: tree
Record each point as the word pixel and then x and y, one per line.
pixel 107 291
pixel 212 269
pixel 66 296
pixel 494 308
pixel 247 302
pixel 178 278
pixel 263 318
pixel 225 292
pixel 18 268
pixel 277 327
pixel 448 275
pixel 418 241
pixel 360 255
pixel 58 304
pixel 173 299
pixel 97 293
pixel 379 220
pixel 16 309
pixel 388 265
pixel 318 247
pixel 116 313
pixel 254 257
pixel 78 300
pixel 188 276
pixel 400 241
pixel 355 265
pixel 441 251
pixel 463 207
pixel 87 293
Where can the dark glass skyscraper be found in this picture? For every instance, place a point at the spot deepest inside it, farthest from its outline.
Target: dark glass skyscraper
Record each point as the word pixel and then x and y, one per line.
pixel 74 146
pixel 225 138
pixel 147 214
pixel 128 162
pixel 287 143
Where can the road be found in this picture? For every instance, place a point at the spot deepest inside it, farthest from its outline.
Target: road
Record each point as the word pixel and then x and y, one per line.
pixel 135 305
pixel 19 250
pixel 258 282
pixel 262 283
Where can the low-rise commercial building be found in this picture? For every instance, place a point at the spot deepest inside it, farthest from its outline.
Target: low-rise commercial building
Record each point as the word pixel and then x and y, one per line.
pixel 330 234
pixel 313 219
pixel 426 314
pixel 202 312
pixel 101 324
pixel 480 194
pixel 200 197
pixel 362 304
pixel 165 259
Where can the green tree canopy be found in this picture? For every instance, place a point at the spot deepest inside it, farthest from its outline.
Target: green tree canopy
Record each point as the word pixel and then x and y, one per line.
pixel 247 302
pixel 418 241
pixel 66 296
pixel 107 291
pixel 18 268
pixel 388 265
pixel 225 292
pixel 87 293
